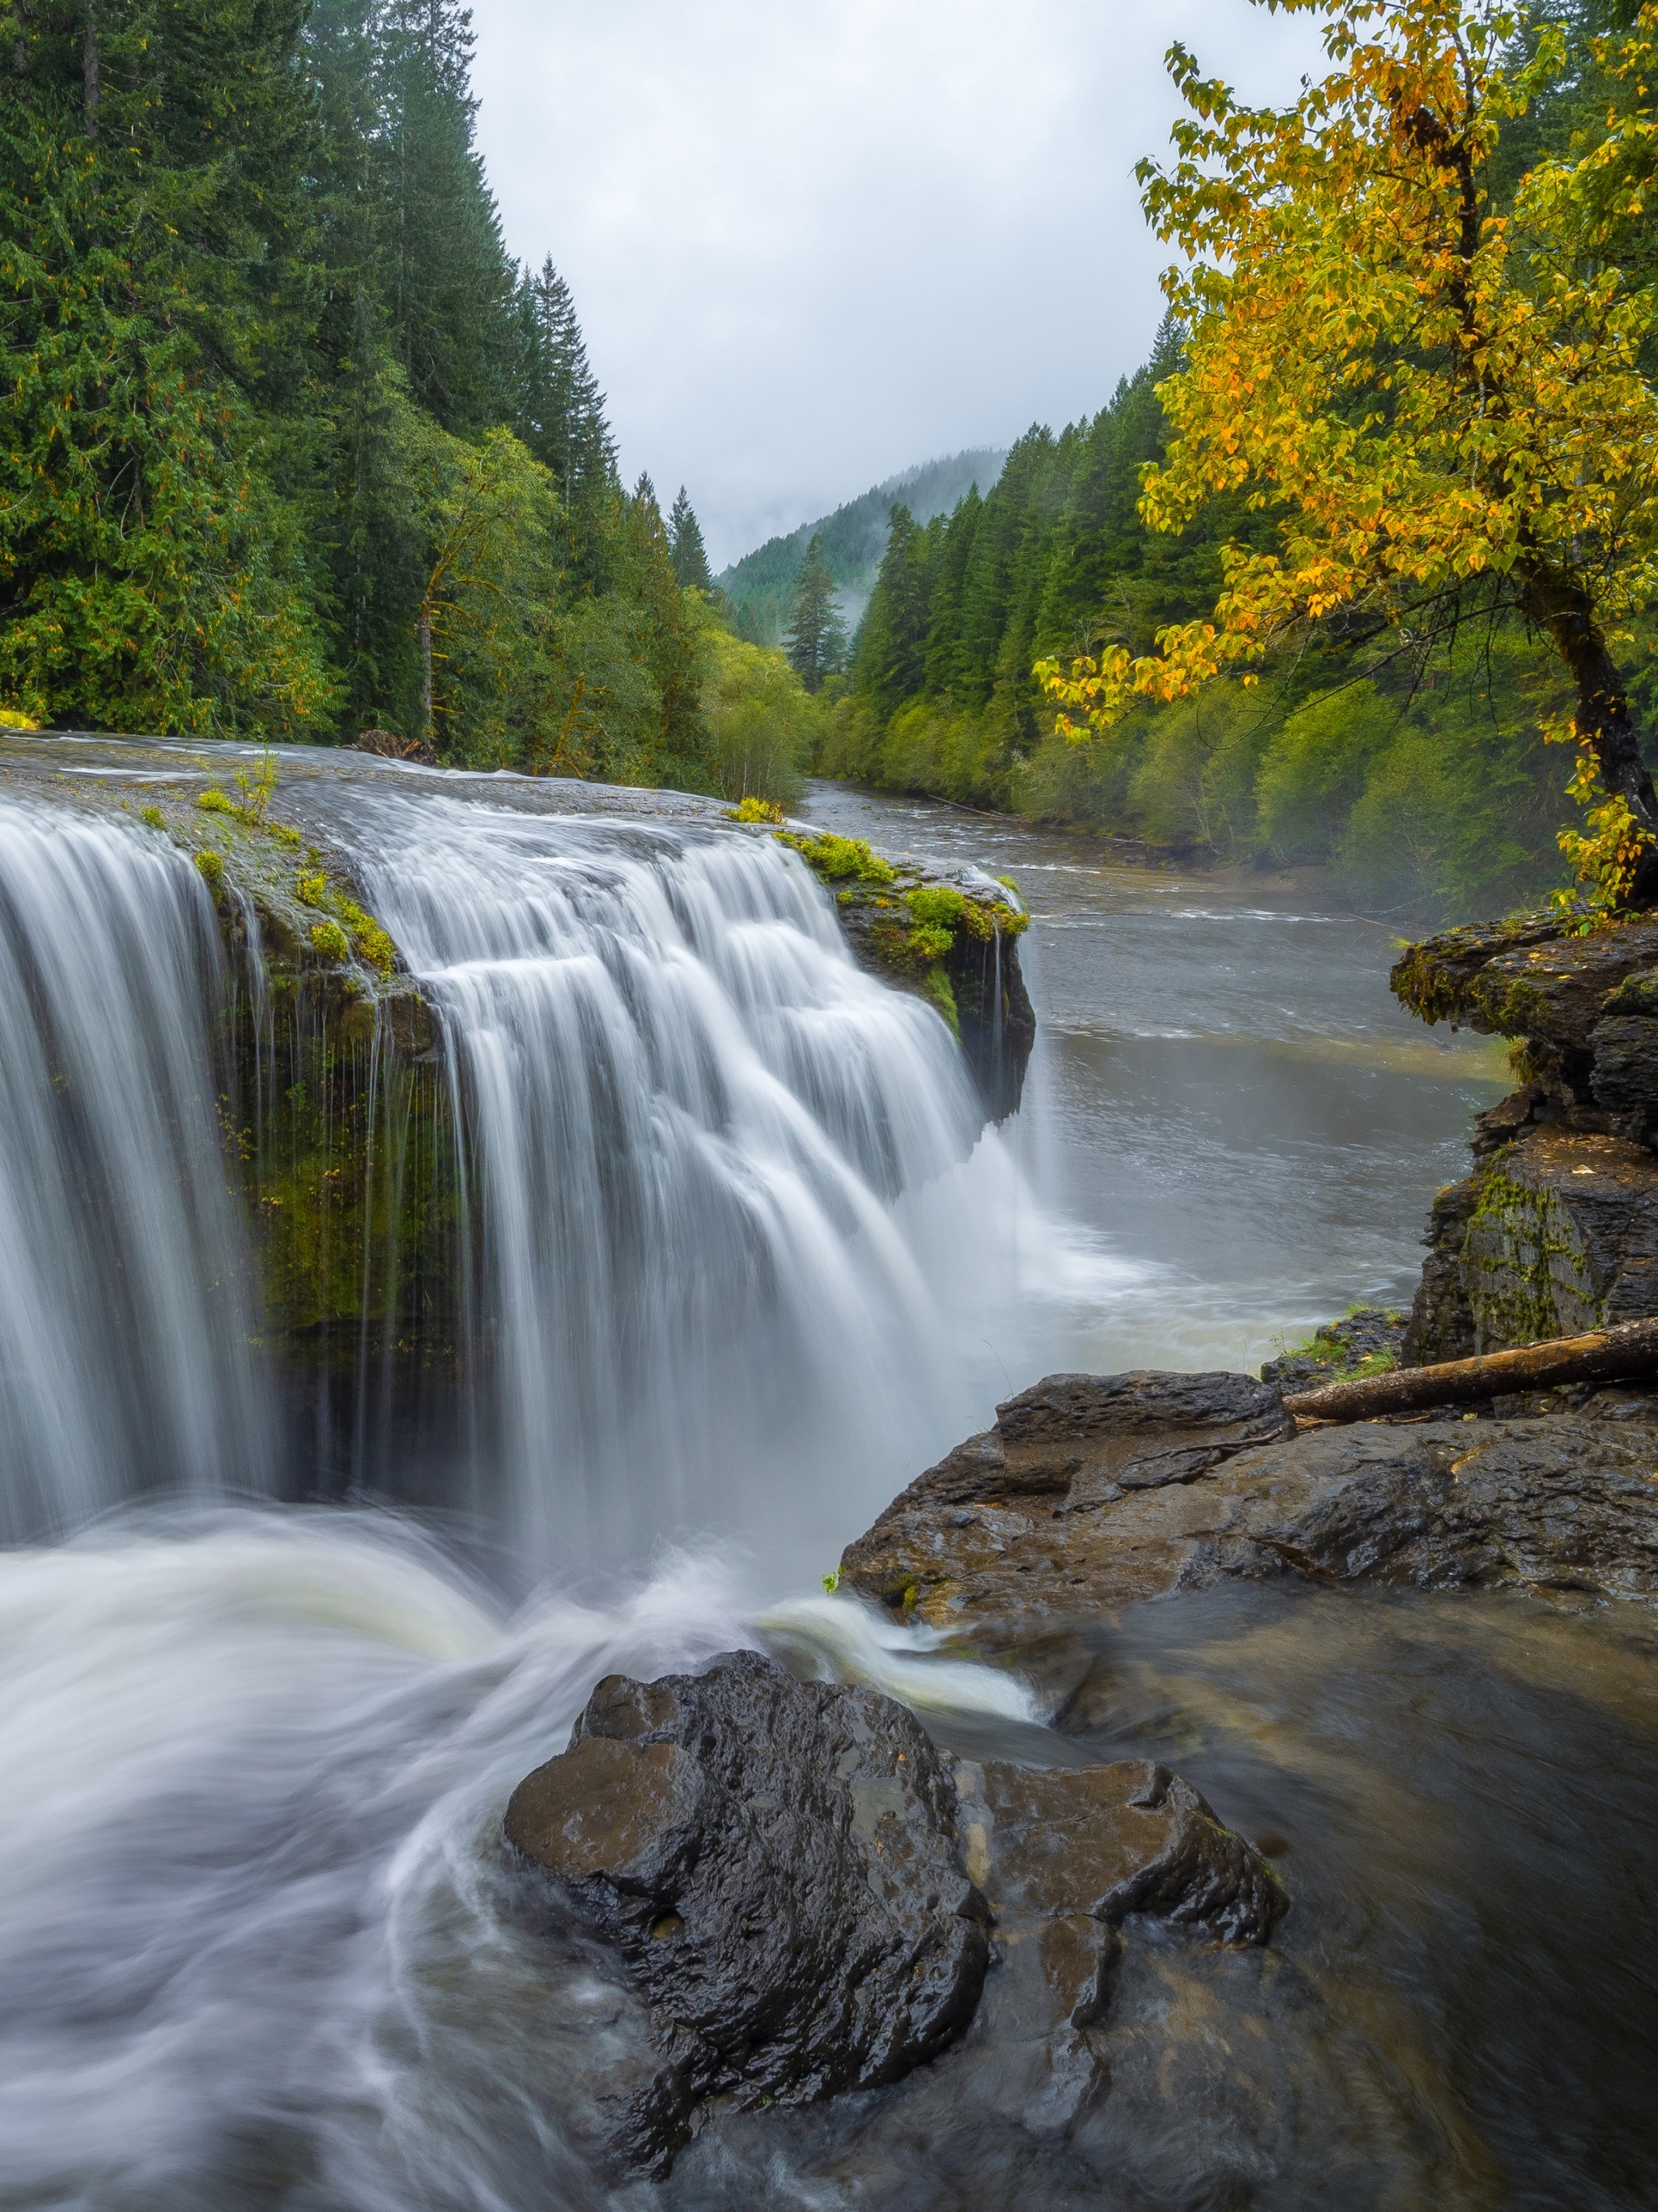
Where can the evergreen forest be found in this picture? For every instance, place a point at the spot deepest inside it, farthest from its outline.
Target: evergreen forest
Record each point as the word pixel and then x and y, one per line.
pixel 293 449
pixel 759 589
pixel 1423 779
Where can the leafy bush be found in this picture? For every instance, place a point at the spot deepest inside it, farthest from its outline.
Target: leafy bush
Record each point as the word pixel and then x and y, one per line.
pixel 761 720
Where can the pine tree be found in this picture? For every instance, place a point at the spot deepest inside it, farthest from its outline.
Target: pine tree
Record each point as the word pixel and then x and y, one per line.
pixel 690 558
pixel 815 640
pixel 448 279
pixel 891 663
pixel 560 410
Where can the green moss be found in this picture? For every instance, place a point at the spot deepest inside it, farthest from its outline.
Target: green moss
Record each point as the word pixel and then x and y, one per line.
pixel 351 926
pixel 929 944
pixel 154 816
pixel 1636 994
pixel 755 809
pixel 835 859
pixel 215 802
pixel 1520 1253
pixel 935 904
pixel 212 864
pixel 935 986
pixel 330 939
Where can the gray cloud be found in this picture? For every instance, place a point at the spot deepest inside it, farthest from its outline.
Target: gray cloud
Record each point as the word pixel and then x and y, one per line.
pixel 811 243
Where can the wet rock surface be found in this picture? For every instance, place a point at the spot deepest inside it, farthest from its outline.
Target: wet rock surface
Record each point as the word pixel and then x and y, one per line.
pixel 1562 1503
pixel 776 1863
pixel 1556 1232
pixel 804 1895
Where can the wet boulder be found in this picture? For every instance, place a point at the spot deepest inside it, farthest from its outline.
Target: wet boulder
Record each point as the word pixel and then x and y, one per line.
pixel 776 1862
pixel 1560 1504
pixel 798 1895
pixel 1016 1511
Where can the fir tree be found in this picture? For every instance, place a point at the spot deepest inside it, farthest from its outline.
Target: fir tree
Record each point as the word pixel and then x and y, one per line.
pixel 690 558
pixel 816 642
pixel 560 411
pixel 449 280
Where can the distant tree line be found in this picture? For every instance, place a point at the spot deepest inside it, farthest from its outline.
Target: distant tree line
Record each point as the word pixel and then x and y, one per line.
pixel 292 447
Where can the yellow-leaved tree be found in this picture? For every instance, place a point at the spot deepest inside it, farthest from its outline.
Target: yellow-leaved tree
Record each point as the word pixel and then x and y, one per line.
pixel 1442 402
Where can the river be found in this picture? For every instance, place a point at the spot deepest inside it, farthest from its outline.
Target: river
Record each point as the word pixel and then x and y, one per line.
pixel 260 1944
pixel 1225 1097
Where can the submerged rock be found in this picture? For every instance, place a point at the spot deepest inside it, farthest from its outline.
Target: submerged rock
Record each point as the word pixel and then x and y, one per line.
pixel 806 1893
pixel 1009 1529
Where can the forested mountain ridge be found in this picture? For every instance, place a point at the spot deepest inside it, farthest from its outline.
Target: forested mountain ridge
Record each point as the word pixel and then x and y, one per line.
pixel 293 447
pixel 759 588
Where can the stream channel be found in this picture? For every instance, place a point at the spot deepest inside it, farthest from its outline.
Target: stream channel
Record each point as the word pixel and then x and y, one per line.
pixel 259 1945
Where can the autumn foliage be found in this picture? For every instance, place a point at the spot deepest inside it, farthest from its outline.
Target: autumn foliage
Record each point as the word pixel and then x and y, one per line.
pixel 1439 394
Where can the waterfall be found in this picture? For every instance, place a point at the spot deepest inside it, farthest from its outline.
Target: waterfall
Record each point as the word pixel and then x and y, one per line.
pixel 125 1308
pixel 721 1216
pixel 687 1117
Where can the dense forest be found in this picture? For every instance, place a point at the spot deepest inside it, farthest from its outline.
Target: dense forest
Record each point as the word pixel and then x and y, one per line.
pixel 1415 762
pixel 760 588
pixel 293 447
pixel 1429 786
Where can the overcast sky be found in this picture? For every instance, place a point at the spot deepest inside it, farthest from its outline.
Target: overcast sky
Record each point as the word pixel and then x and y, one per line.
pixel 812 241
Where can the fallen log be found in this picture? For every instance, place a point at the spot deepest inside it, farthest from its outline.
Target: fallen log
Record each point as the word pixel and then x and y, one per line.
pixel 1605 1355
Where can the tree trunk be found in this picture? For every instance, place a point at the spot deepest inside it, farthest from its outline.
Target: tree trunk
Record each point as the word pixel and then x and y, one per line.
pixel 423 627
pixel 1605 1355
pixel 90 71
pixel 1606 727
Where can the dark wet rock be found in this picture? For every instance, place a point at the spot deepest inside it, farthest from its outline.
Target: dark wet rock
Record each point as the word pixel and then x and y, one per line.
pixel 1556 1233
pixel 1050 1846
pixel 976 982
pixel 1624 1074
pixel 804 1895
pixel 1059 1454
pixel 1553 1504
pixel 1436 978
pixel 1523 978
pixel 776 1862
pixel 1339 1350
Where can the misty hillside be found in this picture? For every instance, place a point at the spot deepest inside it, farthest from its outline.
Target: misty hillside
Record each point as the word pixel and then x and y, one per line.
pixel 854 538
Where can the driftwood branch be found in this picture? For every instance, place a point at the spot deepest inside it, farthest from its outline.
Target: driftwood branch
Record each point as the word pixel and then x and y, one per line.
pixel 1605 1355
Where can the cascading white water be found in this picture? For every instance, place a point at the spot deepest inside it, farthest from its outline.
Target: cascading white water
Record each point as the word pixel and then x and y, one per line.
pixel 689 1115
pixel 124 1315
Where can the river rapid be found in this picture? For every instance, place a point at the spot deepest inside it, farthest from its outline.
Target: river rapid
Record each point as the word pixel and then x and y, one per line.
pixel 258 1940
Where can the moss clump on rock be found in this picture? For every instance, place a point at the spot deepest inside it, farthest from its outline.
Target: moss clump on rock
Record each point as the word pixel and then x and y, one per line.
pixel 835 859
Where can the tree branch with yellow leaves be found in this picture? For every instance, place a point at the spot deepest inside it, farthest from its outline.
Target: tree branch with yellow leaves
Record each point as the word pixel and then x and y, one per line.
pixel 1441 402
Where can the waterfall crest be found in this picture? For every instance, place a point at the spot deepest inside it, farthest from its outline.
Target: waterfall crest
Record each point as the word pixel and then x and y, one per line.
pixel 711 1229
